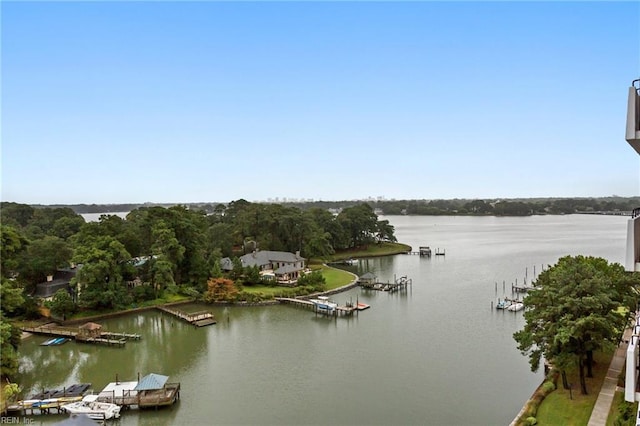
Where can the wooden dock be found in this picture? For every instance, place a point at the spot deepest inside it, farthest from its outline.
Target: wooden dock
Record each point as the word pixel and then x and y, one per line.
pixel 161 397
pixel 398 284
pixel 199 319
pixel 425 251
pixel 105 337
pixel 347 309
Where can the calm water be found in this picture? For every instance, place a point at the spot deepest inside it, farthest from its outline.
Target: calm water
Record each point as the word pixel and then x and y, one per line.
pixel 436 354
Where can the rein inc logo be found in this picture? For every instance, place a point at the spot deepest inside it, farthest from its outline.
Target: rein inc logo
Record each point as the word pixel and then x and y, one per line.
pixel 15 420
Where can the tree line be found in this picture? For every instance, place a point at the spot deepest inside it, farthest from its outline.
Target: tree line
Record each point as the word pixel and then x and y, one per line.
pixel 495 206
pixel 166 250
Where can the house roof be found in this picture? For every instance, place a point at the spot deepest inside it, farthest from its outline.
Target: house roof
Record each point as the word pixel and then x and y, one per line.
pixel 48 289
pixel 151 382
pixel 286 269
pixel 265 257
pixel 60 280
pixel 226 264
pixel 91 326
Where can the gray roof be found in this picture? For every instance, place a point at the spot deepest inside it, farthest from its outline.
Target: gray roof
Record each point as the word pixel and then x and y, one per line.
pixel 226 264
pixel 286 269
pixel 61 280
pixel 265 257
pixel 151 382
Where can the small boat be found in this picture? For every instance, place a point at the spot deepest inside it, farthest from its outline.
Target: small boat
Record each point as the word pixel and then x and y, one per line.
pixel 322 303
pixel 60 341
pixel 351 261
pixel 45 403
pixel 94 409
pixel 49 342
pixel 503 304
pixel 517 306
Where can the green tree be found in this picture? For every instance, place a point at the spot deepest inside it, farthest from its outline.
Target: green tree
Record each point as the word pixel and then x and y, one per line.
pixel 386 231
pixel 62 304
pixel 100 280
pixel 43 257
pixel 8 354
pixel 11 247
pixel 574 312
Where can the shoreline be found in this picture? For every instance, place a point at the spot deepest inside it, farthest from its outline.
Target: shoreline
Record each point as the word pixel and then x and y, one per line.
pixel 107 315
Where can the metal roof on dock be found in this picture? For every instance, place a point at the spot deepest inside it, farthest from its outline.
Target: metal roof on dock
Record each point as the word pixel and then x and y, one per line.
pixel 152 382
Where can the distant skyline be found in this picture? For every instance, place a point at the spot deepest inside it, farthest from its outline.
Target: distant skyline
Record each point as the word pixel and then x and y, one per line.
pixel 162 102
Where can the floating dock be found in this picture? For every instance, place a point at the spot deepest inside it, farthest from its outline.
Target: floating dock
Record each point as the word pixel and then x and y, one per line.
pixel 199 319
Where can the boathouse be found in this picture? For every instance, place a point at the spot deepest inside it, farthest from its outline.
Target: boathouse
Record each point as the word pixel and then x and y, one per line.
pixel 90 330
pixel 154 391
pixel 367 278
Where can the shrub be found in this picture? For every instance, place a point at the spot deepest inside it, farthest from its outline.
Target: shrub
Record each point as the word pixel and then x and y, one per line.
pixel 143 293
pixel 548 387
pixel 626 414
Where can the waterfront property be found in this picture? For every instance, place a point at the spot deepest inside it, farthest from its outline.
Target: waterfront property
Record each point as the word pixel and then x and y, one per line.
pixel 152 391
pixel 59 280
pixel 284 267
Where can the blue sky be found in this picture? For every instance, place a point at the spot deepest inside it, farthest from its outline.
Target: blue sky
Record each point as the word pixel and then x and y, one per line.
pixel 117 102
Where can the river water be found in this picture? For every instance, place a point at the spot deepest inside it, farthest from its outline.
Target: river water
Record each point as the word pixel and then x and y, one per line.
pixel 436 354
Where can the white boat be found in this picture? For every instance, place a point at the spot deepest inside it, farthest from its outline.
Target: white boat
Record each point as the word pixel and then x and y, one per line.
pixel 517 306
pixel 94 409
pixel 351 261
pixel 322 303
pixel 503 304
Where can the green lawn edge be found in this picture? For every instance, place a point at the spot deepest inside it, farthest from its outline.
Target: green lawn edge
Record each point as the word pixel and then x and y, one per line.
pixel 568 407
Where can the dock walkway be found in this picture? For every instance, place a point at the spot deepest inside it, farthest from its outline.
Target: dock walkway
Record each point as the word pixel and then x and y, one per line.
pixel 347 309
pixel 105 338
pixel 399 284
pixel 199 319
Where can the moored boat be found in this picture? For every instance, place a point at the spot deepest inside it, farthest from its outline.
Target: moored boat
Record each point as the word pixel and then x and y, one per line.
pixel 322 303
pixel 517 306
pixel 94 409
pixel 503 304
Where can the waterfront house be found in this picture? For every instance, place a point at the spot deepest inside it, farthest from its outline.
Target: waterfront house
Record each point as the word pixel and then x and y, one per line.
pixel 284 266
pixel 59 280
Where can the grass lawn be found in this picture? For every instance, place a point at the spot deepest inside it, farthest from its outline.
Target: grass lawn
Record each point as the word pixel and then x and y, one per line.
pixel 558 408
pixel 382 249
pixel 334 278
